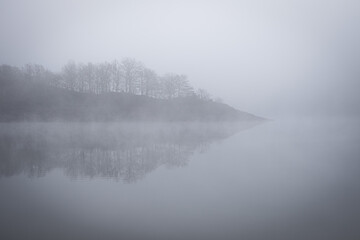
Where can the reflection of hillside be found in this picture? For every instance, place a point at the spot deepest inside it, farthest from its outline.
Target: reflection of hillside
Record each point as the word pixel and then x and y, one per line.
pixel 118 151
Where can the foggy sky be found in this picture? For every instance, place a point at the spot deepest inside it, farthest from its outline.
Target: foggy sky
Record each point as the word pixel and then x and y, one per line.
pixel 264 57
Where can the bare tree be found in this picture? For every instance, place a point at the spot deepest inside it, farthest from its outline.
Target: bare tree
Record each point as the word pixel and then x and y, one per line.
pixel 128 76
pixel 117 78
pixel 90 77
pixel 131 71
pixel 36 73
pixel 203 94
pixel 183 88
pixel 70 74
pixel 175 85
pixel 149 82
pixel 103 77
pixel 169 85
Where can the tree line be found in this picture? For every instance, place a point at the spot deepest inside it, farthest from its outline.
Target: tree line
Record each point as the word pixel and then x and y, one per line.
pixel 126 76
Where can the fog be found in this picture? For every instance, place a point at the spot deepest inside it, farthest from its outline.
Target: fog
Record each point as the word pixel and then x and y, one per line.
pixel 277 180
pixel 180 120
pixel 268 58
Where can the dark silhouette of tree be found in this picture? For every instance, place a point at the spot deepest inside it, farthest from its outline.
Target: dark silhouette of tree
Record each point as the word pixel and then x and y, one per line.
pixel 203 94
pixel 105 92
pixel 129 76
pixel 117 77
pixel 149 84
pixel 70 76
pixel 131 71
pixel 169 85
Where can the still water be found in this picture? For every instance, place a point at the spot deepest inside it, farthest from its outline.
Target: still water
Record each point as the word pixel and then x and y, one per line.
pixel 283 179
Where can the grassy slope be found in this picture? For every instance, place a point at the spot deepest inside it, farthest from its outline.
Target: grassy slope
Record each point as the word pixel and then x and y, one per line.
pixel 29 101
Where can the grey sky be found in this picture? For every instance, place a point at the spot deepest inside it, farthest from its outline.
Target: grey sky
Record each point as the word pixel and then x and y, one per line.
pixel 265 57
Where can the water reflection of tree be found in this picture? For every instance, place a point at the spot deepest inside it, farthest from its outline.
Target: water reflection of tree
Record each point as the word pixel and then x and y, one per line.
pixel 119 151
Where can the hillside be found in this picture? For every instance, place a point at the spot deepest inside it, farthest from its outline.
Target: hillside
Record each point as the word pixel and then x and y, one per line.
pixel 31 101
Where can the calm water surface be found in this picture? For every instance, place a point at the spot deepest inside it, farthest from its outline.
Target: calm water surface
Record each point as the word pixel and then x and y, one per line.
pixel 293 179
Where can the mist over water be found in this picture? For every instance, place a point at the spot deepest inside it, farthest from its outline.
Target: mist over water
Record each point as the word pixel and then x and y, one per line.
pixel 283 179
pixel 163 119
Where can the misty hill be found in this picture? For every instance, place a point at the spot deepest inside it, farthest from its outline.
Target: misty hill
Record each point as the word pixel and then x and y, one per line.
pixel 22 100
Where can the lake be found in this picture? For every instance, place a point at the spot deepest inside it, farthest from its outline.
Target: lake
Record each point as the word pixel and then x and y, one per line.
pixel 283 179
